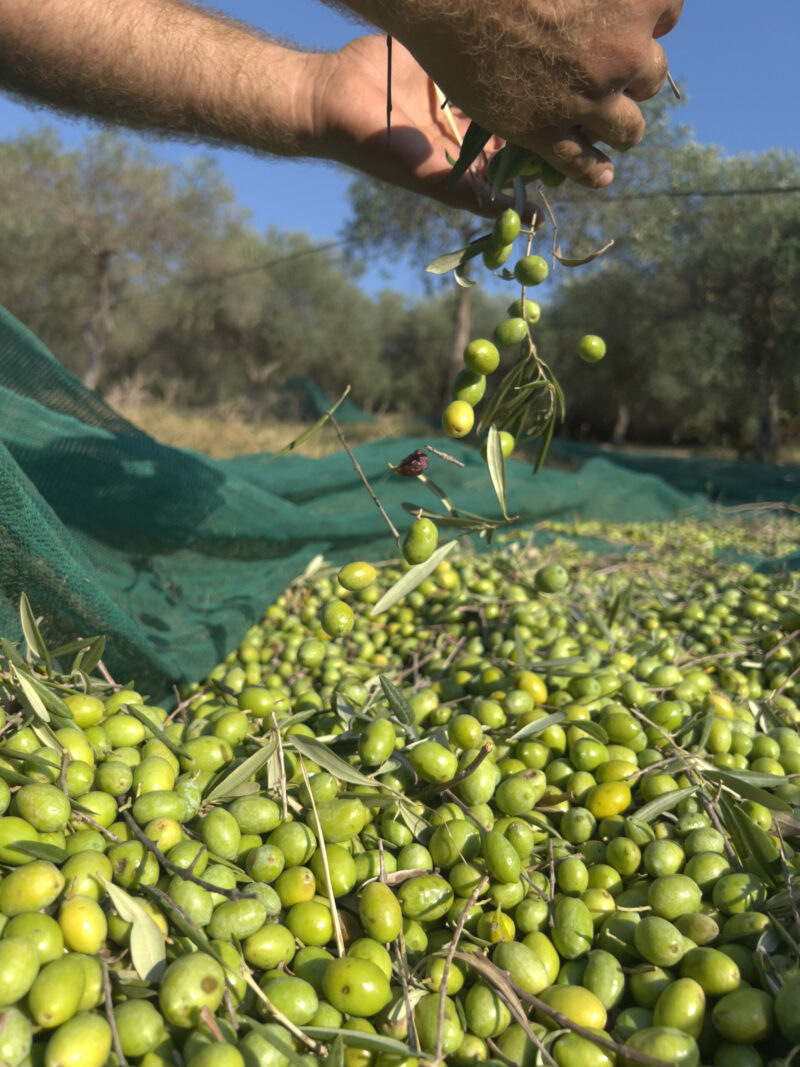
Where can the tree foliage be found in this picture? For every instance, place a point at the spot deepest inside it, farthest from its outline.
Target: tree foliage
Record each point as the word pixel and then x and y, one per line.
pixel 139 273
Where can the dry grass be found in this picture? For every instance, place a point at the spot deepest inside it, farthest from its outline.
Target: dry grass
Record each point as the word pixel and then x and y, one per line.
pixel 222 434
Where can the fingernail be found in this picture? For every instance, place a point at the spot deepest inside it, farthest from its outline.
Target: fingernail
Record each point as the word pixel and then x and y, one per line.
pixel 606 178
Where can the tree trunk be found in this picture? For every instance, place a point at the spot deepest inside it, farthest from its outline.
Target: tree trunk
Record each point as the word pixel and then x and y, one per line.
pixel 98 328
pixel 768 435
pixel 621 424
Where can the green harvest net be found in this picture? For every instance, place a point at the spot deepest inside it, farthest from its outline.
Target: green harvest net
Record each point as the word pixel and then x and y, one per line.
pixel 173 555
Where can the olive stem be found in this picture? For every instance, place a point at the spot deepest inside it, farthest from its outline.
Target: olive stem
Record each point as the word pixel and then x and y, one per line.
pixel 448 962
pixel 62 776
pixel 566 1023
pixel 363 477
pixel 337 928
pixel 402 966
pixel 444 455
pixel 208 1020
pixel 282 773
pixel 174 868
pixel 552 877
pixel 231 1010
pixel 105 673
pixel 498 1054
pixel 284 1020
pixel 467 811
pixel 109 1010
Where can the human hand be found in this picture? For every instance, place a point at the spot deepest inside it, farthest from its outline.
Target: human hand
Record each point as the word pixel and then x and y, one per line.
pixel 350 125
pixel 553 76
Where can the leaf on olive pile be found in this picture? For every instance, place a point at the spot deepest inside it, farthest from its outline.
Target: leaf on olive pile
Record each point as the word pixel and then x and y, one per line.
pixel 148 950
pixel 412 578
pixel 326 758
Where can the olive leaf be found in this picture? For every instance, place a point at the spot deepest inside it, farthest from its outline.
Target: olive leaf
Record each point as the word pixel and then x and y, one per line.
pixel 461 278
pixel 28 695
pixel 450 260
pixel 90 656
pixel 14 778
pixel 567 261
pixel 324 755
pixel 362 1040
pixel 506 166
pixel 11 653
pixel 496 463
pixel 666 802
pixel 418 826
pixel 751 843
pixel 547 437
pixel 460 522
pixel 28 759
pixel 31 631
pixel 412 578
pixel 336 1052
pixel 182 921
pixel 397 702
pixel 304 436
pixel 593 729
pixel 538 725
pixel 620 601
pixel 475 140
pixel 225 786
pixel 750 785
pixel 162 735
pixel 147 947
pixel 51 700
pixel 41 850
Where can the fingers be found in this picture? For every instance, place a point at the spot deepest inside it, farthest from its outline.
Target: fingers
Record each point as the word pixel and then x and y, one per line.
pixel 572 153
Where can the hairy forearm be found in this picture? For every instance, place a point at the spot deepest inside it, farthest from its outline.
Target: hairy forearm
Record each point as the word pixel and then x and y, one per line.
pixel 161 65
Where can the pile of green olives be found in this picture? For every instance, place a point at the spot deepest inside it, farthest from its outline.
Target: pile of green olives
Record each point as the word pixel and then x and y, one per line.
pixel 541 809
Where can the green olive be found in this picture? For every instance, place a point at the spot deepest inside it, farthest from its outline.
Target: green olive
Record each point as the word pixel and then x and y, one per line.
pixel 356 986
pixel 189 984
pixel 84 1040
pixel 422 538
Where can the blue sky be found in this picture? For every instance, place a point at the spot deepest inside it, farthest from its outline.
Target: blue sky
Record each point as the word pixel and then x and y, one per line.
pixel 736 60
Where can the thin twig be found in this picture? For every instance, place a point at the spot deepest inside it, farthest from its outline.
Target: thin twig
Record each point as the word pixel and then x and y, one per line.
pixel 402 966
pixel 208 1020
pixel 231 1009
pixel 105 673
pixel 448 962
pixel 388 86
pixel 173 868
pixel 444 455
pixel 279 753
pixel 109 1010
pixel 363 477
pixel 337 928
pixel 673 86
pixel 564 1022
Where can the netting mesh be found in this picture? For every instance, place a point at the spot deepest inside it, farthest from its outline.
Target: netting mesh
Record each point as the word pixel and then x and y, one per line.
pixel 173 555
